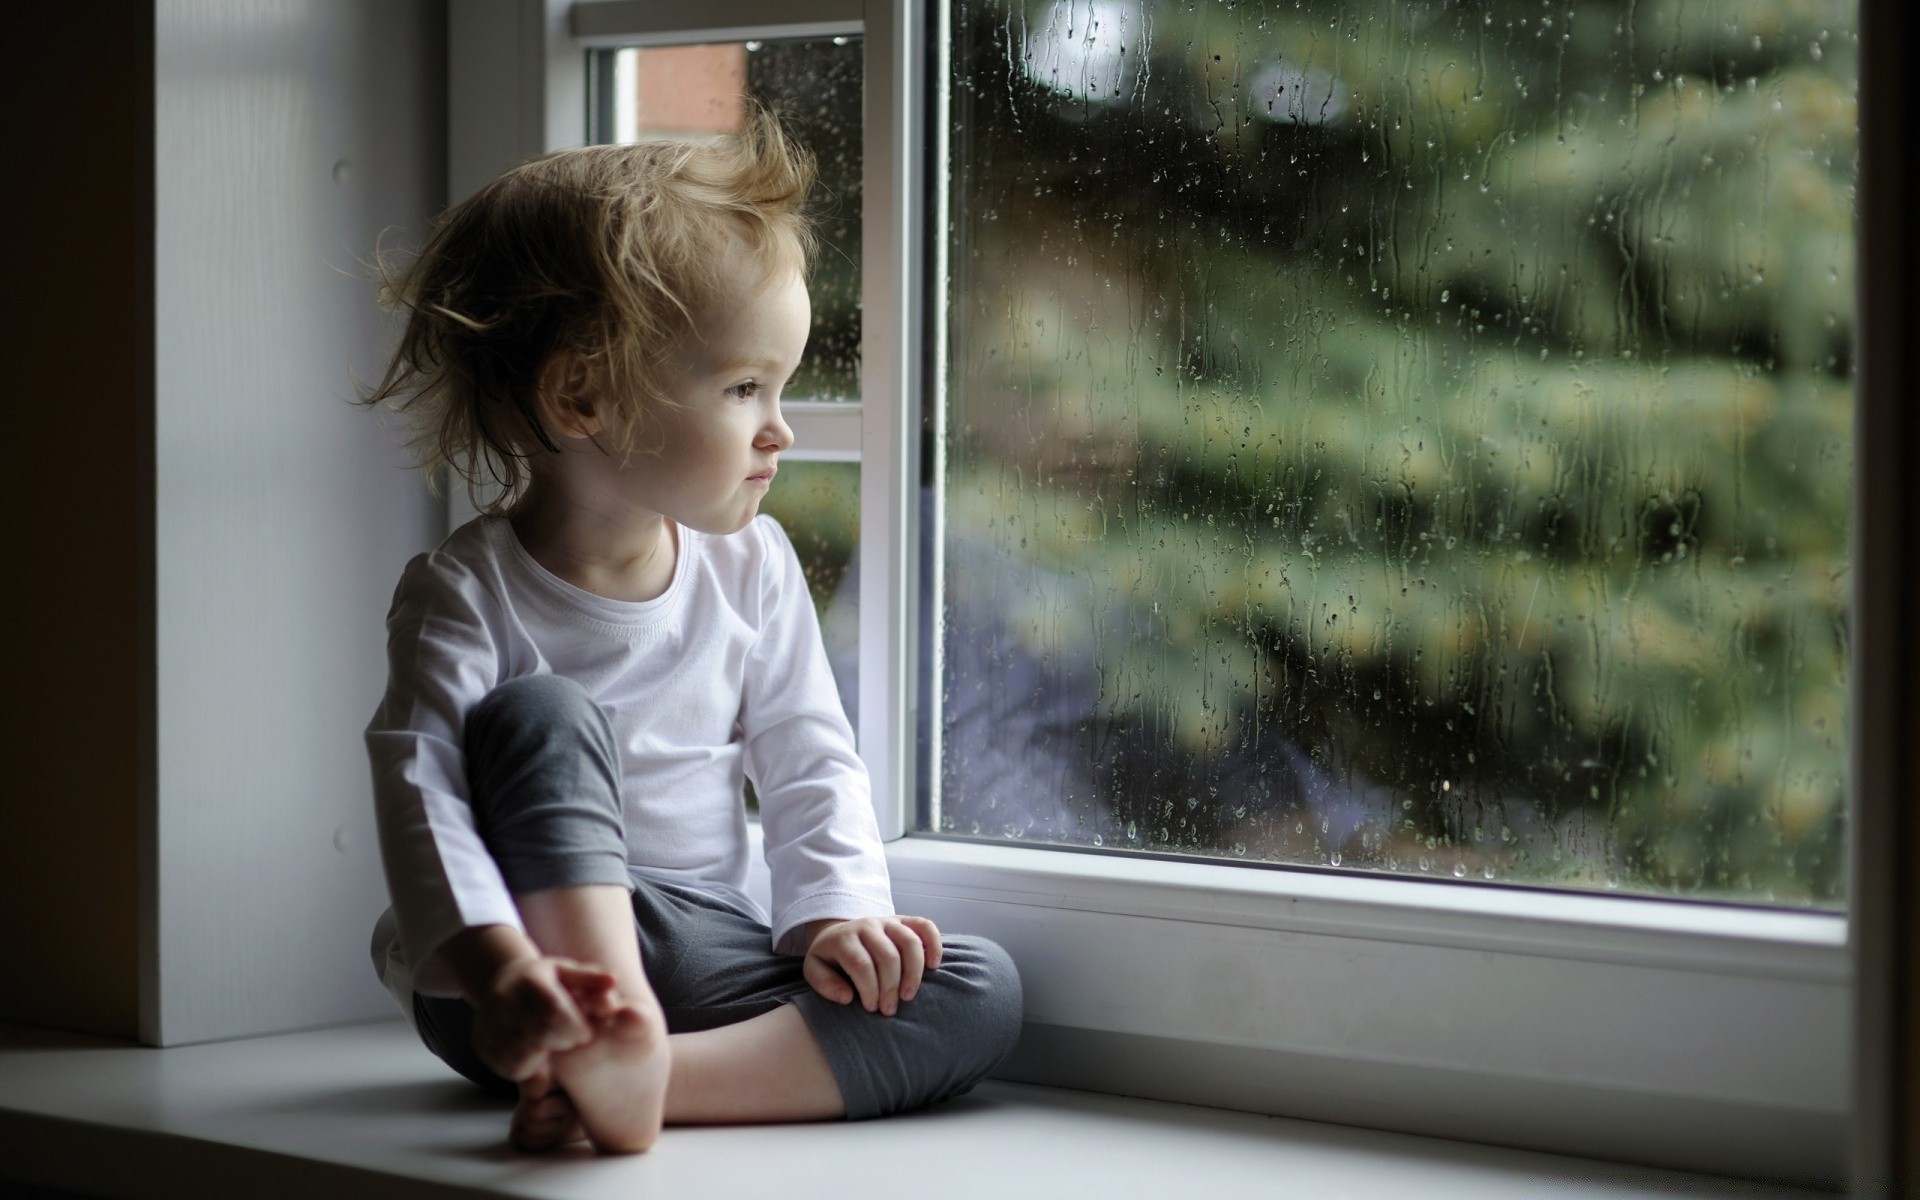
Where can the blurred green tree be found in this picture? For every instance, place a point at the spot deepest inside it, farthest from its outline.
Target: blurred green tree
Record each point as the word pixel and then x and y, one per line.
pixel 1453 395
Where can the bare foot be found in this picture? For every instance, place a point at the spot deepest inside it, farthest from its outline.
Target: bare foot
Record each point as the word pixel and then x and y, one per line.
pixel 617 1083
pixel 544 1118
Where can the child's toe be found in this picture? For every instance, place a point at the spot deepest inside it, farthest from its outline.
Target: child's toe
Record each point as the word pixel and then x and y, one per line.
pixel 544 1122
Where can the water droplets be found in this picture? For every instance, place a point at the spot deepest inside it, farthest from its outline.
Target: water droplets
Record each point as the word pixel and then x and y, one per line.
pixel 1377 483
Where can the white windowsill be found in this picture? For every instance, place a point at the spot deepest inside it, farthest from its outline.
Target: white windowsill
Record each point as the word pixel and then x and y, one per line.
pixel 1599 1025
pixel 365 1111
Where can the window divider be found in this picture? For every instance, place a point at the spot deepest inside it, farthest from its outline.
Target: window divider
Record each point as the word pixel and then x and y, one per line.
pixel 893 200
pixel 823 430
pixel 652 23
pixel 933 565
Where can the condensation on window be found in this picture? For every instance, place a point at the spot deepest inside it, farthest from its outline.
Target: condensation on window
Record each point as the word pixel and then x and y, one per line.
pixel 815 86
pixel 1404 436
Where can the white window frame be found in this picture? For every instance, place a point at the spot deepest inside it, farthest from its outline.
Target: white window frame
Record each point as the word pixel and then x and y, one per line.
pixel 1682 1034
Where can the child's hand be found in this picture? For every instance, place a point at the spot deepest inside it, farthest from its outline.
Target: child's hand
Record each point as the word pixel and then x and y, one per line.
pixel 882 957
pixel 536 1007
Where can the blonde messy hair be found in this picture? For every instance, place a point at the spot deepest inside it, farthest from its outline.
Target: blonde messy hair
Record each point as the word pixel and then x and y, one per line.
pixel 604 252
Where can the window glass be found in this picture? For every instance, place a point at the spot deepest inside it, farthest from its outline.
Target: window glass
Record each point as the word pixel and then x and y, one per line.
pixel 815 86
pixel 1403 435
pixel 818 504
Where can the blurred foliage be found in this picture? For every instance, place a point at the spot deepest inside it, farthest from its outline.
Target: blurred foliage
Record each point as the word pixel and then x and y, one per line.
pixel 818 504
pixel 1457 392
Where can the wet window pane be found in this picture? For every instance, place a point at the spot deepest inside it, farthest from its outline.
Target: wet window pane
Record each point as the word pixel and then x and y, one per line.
pixel 814 85
pixel 1404 436
pixel 818 504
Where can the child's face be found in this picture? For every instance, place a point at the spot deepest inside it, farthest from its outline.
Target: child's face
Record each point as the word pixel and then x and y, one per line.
pixel 719 445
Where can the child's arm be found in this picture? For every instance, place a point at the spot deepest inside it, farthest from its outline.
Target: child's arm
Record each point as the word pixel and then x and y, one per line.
pixel 441 660
pixel 822 843
pixel 832 899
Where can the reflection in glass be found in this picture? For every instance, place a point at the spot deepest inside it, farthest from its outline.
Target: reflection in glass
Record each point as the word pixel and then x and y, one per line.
pixel 641 93
pixel 1404 436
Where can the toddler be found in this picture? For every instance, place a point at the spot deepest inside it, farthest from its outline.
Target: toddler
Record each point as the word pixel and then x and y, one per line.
pixel 581 678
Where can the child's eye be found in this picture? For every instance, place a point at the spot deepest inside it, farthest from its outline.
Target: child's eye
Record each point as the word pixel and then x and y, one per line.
pixel 745 391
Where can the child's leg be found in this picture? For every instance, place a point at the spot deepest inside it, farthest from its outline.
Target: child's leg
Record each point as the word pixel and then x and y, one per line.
pixel 753 1041
pixel 617 1082
pixel 762 1070
pixel 766 1068
pixel 960 1025
pixel 543 771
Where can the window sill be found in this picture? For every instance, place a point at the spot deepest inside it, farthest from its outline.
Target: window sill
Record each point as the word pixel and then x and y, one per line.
pixel 1768 943
pixel 1684 1035
pixel 365 1111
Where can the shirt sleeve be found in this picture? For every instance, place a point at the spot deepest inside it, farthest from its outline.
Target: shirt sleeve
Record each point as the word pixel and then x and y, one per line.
pixel 442 658
pixel 823 845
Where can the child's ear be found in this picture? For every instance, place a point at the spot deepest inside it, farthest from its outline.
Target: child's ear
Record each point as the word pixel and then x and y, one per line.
pixel 568 397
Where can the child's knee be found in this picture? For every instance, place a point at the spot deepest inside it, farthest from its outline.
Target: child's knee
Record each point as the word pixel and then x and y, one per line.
pixel 539 725
pixel 543 776
pixel 989 1007
pixel 532 708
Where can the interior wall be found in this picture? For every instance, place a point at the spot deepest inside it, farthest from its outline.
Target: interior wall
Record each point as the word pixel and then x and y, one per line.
pixel 291 135
pixel 78 293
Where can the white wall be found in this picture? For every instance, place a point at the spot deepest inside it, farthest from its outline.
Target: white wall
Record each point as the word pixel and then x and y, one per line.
pixel 290 134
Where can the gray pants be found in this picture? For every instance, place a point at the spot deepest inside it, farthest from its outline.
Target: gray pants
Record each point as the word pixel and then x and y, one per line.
pixel 543 773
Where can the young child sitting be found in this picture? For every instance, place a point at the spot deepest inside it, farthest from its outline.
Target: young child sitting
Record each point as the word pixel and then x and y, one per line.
pixel 580 679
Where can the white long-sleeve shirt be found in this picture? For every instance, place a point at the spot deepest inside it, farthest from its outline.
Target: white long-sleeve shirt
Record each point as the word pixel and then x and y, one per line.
pixel 721 676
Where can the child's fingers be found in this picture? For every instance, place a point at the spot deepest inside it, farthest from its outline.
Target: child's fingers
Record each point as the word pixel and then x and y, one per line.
pixel 591 988
pixel 852 957
pixel 585 977
pixel 501 1040
pixel 537 1084
pixel 929 937
pixel 556 1021
pixel 598 1007
pixel 825 980
pixel 517 1060
pixel 524 1049
pixel 913 957
pixel 886 967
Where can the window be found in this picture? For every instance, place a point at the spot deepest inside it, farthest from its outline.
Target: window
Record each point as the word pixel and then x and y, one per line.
pixel 1703 1035
pixel 1403 436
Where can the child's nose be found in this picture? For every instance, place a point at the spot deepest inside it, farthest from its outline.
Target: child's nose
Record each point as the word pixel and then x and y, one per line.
pixel 777 435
